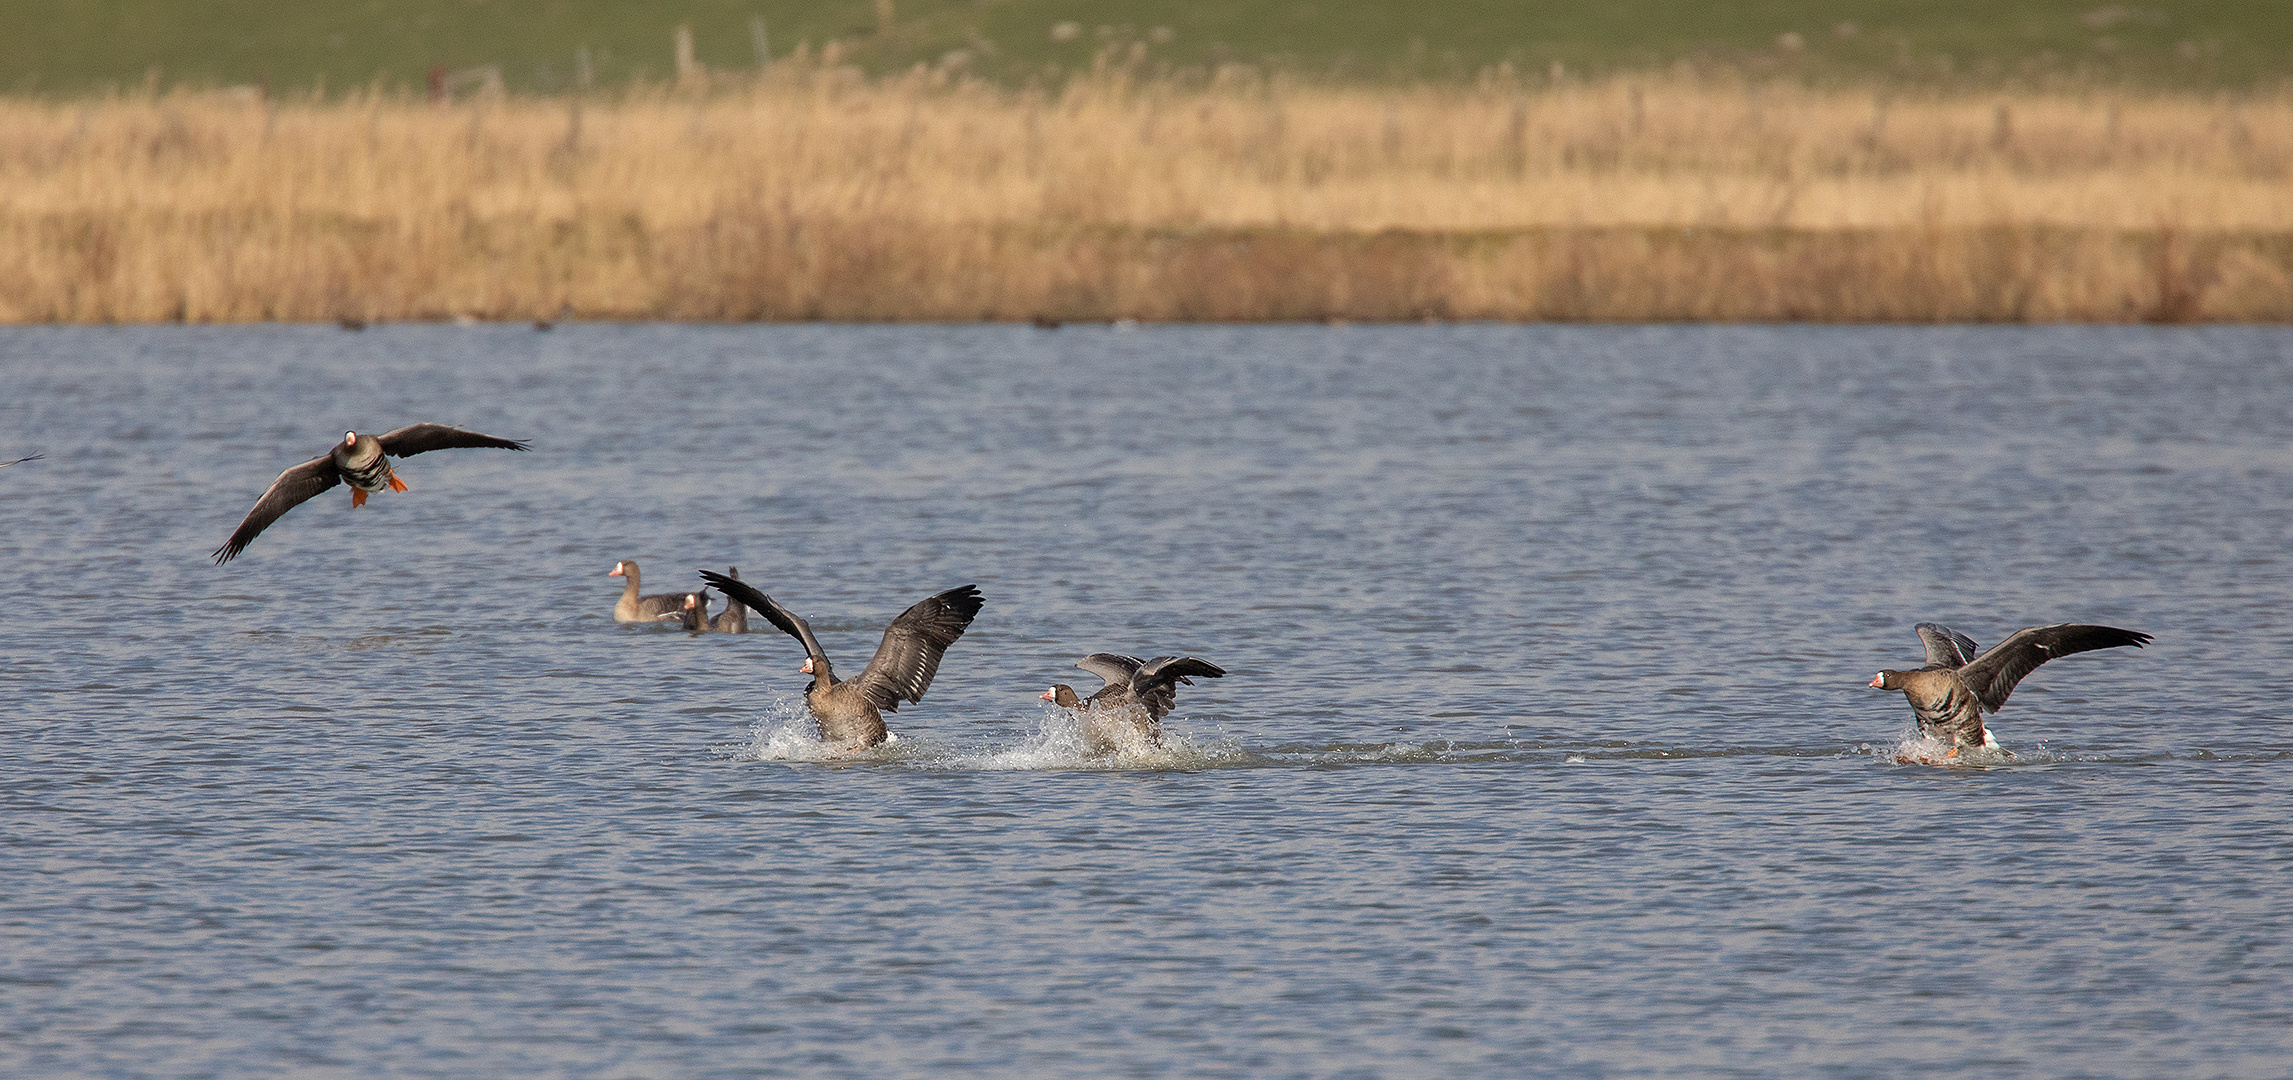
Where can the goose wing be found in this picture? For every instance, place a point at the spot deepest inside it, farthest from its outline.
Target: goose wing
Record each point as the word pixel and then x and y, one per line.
pixel 291 489
pixel 1113 669
pixel 1947 648
pixel 422 438
pixel 910 653
pixel 789 622
pixel 1992 675
pixel 1156 683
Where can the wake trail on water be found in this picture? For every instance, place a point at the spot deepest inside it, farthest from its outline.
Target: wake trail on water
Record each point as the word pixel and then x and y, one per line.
pixel 787 734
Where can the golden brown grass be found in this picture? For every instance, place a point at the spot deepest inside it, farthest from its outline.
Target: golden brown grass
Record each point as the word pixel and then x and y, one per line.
pixel 815 194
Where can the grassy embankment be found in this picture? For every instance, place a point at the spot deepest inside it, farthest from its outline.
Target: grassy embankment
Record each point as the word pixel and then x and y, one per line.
pixel 80 46
pixel 813 192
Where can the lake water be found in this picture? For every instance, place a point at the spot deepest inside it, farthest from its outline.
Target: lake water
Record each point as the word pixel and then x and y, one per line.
pixel 1544 750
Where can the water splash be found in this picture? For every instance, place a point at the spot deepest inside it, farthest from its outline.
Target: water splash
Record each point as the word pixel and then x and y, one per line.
pixel 1918 749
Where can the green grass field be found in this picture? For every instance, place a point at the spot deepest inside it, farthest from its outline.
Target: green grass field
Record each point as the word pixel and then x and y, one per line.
pixel 67 47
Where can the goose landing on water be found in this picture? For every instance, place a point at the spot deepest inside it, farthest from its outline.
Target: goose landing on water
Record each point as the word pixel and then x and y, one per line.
pixel 1955 687
pixel 1127 712
pixel 851 712
pixel 362 461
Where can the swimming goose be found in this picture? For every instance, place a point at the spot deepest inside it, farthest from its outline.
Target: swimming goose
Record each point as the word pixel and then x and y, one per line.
pixel 694 616
pixel 905 661
pixel 1137 695
pixel 654 608
pixel 360 460
pixel 734 618
pixel 1955 687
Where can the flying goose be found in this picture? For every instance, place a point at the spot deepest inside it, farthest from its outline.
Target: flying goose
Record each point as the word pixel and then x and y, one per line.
pixel 1954 689
pixel 360 460
pixel 655 608
pixel 1137 695
pixel 851 712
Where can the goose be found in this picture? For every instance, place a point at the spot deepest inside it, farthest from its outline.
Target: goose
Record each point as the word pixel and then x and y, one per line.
pixel 1956 686
pixel 734 618
pixel 1137 695
pixel 851 712
pixel 655 608
pixel 20 461
pixel 694 616
pixel 360 460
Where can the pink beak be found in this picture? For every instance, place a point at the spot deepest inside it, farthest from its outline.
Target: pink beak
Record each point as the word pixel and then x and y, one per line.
pixel 807 668
pixel 1877 681
pixel 615 572
pixel 1048 696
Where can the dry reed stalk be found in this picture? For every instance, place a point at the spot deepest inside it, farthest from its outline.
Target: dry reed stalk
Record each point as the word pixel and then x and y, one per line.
pixel 811 193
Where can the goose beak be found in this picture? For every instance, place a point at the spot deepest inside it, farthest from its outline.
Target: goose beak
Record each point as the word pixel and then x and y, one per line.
pixel 1048 696
pixel 807 668
pixel 615 572
pixel 1878 682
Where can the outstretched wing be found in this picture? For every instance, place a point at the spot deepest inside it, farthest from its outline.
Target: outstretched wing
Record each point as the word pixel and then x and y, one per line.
pixel 741 592
pixel 1113 669
pixel 422 438
pixel 1156 683
pixel 910 653
pixel 1947 648
pixel 291 489
pixel 20 461
pixel 1992 676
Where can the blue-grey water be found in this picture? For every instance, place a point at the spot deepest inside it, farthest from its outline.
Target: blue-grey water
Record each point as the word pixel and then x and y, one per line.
pixel 1544 750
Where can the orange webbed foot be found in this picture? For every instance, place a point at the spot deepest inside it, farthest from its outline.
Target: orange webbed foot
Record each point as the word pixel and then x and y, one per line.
pixel 357 498
pixel 396 484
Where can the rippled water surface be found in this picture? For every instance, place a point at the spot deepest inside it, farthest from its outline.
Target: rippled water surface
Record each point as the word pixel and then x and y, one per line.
pixel 1545 748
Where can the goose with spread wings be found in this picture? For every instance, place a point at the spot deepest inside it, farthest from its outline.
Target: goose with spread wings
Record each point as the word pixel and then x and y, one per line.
pixel 852 712
pixel 1956 686
pixel 1137 695
pixel 362 461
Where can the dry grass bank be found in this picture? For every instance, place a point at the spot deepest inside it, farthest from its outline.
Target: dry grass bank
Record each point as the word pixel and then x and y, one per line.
pixel 813 194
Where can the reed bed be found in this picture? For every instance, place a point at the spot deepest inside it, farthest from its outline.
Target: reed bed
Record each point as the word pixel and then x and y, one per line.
pixel 813 193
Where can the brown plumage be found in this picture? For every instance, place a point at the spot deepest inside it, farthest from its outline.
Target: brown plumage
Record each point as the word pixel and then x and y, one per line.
pixel 734 618
pixel 362 461
pixel 1956 687
pixel 695 614
pixel 1137 695
pixel 655 608
pixel 852 712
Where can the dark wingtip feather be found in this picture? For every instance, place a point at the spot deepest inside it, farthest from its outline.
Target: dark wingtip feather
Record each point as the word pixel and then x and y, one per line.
pixel 965 599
